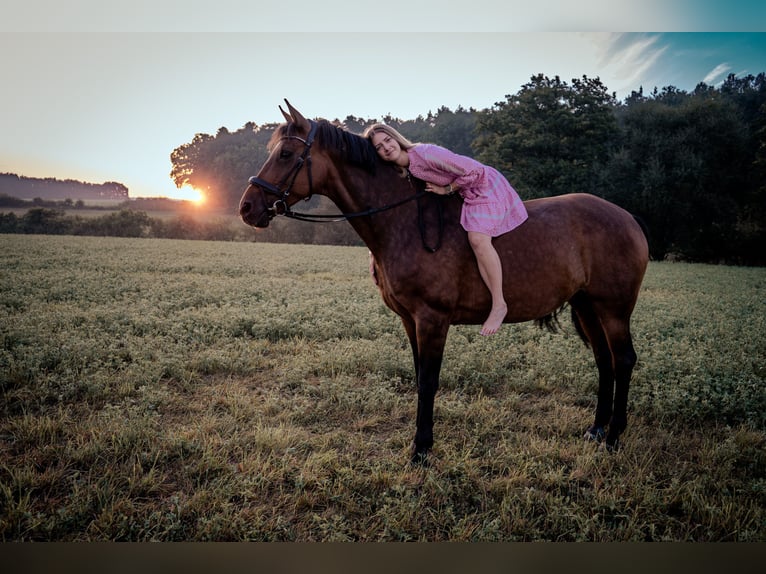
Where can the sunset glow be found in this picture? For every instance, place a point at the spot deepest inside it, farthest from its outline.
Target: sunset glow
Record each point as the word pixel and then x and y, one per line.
pixel 191 194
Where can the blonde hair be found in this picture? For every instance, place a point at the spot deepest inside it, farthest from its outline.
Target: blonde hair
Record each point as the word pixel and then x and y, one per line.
pixel 403 142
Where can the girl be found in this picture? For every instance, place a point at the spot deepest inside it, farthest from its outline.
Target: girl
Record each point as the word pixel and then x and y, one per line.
pixel 491 206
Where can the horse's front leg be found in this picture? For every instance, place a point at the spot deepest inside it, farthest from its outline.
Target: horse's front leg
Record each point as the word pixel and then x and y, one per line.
pixel 431 338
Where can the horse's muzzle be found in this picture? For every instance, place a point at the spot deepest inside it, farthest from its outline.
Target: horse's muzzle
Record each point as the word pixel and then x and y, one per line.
pixel 248 214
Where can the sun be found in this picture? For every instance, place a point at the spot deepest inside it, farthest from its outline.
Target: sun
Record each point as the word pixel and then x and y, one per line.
pixel 190 193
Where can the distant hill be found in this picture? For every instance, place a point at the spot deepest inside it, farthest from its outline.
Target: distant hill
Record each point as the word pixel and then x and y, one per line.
pixel 23 187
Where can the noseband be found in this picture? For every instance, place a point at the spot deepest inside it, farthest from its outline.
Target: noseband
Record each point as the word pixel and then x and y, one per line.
pixel 280 206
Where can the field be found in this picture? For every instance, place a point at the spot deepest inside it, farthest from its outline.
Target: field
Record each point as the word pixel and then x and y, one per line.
pixel 187 390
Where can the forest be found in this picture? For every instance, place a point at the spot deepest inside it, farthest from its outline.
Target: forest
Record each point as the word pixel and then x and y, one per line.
pixel 692 165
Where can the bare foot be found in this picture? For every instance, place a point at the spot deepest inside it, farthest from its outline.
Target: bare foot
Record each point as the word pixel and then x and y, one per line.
pixel 494 321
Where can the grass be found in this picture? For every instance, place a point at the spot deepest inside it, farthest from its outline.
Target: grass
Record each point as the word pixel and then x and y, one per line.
pixel 170 390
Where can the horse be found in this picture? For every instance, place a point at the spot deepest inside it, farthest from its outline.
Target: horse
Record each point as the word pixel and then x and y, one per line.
pixel 576 249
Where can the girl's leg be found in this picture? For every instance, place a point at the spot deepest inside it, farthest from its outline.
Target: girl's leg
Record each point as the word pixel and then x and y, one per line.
pixel 492 273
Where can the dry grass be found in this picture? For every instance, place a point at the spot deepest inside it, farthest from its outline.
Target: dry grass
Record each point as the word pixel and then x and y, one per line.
pixel 167 390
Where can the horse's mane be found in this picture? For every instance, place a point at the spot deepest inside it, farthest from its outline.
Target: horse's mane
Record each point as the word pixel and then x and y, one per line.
pixel 352 147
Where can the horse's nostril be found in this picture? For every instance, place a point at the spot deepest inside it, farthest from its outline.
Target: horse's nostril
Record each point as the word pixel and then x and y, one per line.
pixel 245 208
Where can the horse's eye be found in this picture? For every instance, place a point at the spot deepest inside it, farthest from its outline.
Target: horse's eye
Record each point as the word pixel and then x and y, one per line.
pixel 285 154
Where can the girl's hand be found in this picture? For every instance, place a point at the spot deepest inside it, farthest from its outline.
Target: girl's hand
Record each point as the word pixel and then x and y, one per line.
pixel 438 189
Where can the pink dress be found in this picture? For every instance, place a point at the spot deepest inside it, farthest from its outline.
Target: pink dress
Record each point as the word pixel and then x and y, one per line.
pixel 491 206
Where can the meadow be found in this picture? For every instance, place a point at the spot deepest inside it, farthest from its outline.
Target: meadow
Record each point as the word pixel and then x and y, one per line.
pixel 187 390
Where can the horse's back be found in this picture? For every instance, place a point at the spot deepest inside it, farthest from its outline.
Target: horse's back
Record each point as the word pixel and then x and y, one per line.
pixel 583 222
pixel 572 243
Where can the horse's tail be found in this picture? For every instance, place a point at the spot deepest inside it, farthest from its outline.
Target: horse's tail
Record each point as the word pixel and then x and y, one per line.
pixel 579 329
pixel 551 323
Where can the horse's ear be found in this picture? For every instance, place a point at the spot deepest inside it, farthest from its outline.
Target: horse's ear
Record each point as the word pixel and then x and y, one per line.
pixel 288 118
pixel 299 120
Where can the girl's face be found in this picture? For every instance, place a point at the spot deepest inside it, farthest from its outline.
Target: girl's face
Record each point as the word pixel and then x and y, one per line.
pixel 389 149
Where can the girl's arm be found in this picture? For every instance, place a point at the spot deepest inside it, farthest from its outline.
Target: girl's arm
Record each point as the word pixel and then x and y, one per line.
pixel 459 171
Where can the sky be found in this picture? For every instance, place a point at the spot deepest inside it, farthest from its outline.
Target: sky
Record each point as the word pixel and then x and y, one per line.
pixel 100 91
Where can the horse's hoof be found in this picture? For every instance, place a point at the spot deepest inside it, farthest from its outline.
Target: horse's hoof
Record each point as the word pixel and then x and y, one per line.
pixel 595 434
pixel 612 444
pixel 419 457
pixel 420 460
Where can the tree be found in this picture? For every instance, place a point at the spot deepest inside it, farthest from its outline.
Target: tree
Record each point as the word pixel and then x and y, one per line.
pixel 44 221
pixel 454 130
pixel 683 165
pixel 748 94
pixel 220 165
pixel 552 137
pixel 9 223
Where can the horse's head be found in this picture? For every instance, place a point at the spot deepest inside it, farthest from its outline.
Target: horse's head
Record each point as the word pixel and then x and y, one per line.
pixel 286 176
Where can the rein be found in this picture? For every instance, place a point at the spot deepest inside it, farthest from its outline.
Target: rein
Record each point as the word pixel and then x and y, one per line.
pixel 338 217
pixel 281 207
pixel 322 218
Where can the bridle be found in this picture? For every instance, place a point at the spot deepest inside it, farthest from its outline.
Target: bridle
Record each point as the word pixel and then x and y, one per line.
pixel 282 195
pixel 281 207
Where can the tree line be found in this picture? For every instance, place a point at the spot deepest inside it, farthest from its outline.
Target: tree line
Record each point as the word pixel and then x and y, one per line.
pixel 22 187
pixel 692 165
pixel 123 223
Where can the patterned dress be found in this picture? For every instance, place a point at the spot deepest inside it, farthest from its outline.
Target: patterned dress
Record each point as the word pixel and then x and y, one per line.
pixel 491 205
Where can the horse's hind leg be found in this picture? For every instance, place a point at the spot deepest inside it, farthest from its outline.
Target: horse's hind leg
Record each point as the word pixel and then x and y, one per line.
pixel 621 343
pixel 594 334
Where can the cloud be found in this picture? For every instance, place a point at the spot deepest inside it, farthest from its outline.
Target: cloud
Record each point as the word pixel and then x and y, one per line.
pixel 630 58
pixel 716 73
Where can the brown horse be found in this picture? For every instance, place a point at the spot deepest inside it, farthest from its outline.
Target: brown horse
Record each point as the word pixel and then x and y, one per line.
pixel 576 249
